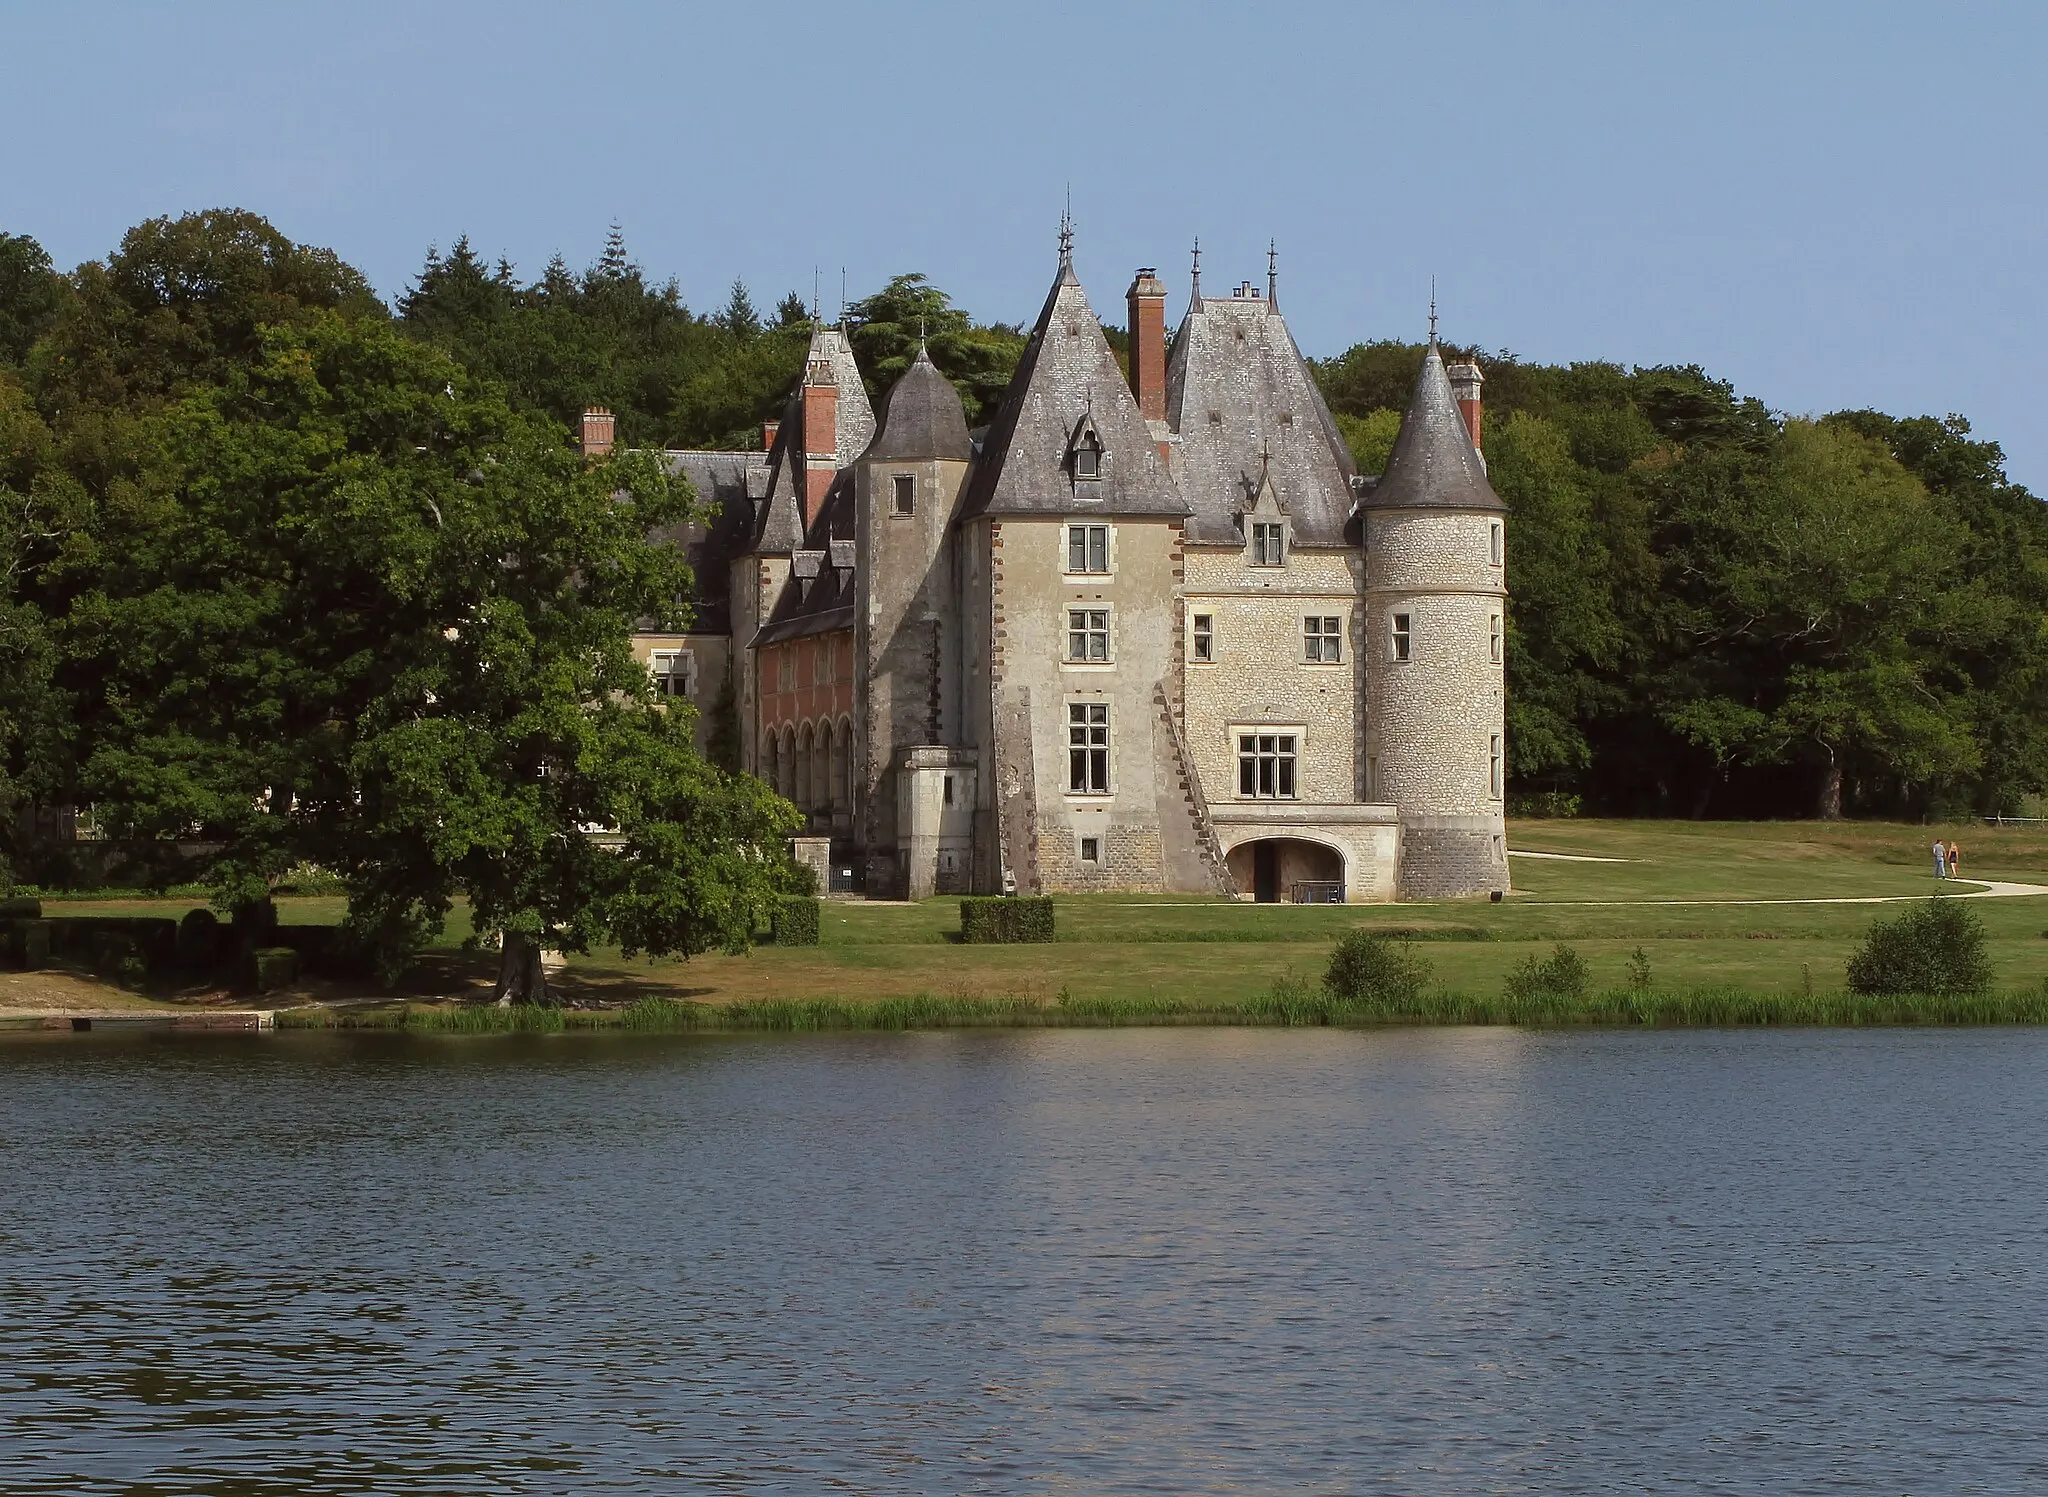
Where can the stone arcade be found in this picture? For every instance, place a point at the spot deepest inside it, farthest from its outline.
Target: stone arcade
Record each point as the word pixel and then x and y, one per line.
pixel 1144 634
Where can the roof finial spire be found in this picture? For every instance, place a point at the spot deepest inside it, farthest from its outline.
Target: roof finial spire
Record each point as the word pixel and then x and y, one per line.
pixel 1067 232
pixel 1272 274
pixel 1432 309
pixel 842 298
pixel 815 273
pixel 921 349
pixel 1195 295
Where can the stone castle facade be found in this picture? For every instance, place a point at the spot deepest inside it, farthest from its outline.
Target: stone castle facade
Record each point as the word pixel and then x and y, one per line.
pixel 1149 633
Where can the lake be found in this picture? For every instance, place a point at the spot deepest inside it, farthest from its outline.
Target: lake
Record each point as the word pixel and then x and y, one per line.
pixel 1168 1260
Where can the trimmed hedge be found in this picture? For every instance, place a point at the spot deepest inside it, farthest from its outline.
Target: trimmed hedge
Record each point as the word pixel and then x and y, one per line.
pixel 21 909
pixel 272 967
pixel 150 940
pixel 25 944
pixel 994 920
pixel 795 921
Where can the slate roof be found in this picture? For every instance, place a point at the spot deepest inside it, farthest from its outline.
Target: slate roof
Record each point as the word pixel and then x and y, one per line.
pixel 1243 402
pixel 1068 375
pixel 1434 464
pixel 723 530
pixel 922 417
pixel 779 526
pixel 822 589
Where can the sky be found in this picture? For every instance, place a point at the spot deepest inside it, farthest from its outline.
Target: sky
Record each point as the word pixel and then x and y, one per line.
pixel 1831 205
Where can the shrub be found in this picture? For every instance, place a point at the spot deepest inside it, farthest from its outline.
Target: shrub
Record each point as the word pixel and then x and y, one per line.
pixel 991 920
pixel 199 941
pixel 1937 949
pixel 25 944
pixel 1367 967
pixel 272 967
pixel 1560 976
pixel 795 921
pixel 21 909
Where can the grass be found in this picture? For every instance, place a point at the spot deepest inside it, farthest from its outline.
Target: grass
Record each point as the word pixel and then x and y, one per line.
pixel 1138 958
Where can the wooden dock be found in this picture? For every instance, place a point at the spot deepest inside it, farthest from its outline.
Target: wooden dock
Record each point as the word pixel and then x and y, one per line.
pixel 81 1020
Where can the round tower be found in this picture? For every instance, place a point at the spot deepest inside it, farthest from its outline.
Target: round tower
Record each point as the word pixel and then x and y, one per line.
pixel 1435 734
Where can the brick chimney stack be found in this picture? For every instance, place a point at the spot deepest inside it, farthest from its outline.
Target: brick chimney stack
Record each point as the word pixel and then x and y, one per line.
pixel 594 432
pixel 821 435
pixel 768 431
pixel 1147 302
pixel 1465 382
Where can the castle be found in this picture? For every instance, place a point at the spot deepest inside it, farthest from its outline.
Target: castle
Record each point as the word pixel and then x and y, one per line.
pixel 1153 634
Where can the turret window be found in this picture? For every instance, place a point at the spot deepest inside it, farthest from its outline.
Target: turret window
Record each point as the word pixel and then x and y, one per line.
pixel 1269 544
pixel 1322 639
pixel 1205 636
pixel 1402 636
pixel 1494 542
pixel 904 500
pixel 1493 768
pixel 1493 638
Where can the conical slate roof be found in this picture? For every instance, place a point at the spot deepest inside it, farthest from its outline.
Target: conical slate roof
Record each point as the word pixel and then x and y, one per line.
pixel 922 417
pixel 1067 376
pixel 1434 464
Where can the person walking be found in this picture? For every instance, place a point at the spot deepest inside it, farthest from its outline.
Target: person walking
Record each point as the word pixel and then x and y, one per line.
pixel 1955 860
pixel 1940 859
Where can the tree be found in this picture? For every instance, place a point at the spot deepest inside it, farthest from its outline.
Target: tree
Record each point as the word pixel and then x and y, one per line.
pixel 888 327
pixel 388 621
pixel 30 290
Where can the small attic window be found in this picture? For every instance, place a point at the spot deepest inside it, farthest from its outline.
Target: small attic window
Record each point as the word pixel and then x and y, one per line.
pixel 1215 418
pixel 1287 418
pixel 1087 462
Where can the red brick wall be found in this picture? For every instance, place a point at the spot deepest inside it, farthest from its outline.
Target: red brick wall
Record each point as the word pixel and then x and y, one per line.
pixel 821 677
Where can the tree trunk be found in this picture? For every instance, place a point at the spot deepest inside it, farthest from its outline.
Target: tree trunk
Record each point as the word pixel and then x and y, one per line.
pixel 520 978
pixel 1830 807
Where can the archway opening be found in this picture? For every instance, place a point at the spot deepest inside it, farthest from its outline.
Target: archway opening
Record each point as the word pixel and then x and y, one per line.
pixel 1288 870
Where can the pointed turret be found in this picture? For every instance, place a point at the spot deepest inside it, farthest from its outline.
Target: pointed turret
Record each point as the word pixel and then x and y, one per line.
pixel 922 417
pixel 1434 464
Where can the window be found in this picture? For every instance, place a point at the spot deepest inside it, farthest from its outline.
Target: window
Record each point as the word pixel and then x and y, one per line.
pixel 1088 634
pixel 1494 541
pixel 1087 463
pixel 1088 748
pixel 1372 779
pixel 675 673
pixel 1091 849
pixel 1493 768
pixel 1269 544
pixel 1265 766
pixel 1493 638
pixel 948 788
pixel 1205 636
pixel 1087 548
pixel 1403 636
pixel 905 501
pixel 1321 639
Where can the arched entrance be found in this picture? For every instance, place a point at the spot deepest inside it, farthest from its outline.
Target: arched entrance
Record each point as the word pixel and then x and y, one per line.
pixel 1288 870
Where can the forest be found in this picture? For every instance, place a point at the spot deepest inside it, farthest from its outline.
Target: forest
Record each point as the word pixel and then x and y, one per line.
pixel 1716 610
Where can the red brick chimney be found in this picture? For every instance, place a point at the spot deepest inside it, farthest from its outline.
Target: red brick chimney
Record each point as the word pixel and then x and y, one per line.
pixel 1465 382
pixel 821 436
pixel 1147 302
pixel 768 431
pixel 594 432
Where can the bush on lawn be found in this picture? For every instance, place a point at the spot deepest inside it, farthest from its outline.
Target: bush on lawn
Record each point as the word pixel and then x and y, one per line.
pixel 1937 949
pixel 992 920
pixel 25 944
pixel 795 921
pixel 1367 967
pixel 1561 976
pixel 272 967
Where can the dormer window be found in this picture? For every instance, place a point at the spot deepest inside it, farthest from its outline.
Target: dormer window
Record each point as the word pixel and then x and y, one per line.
pixel 1269 544
pixel 1084 453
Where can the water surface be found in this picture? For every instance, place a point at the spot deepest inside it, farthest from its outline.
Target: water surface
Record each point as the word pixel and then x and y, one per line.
pixel 1436 1261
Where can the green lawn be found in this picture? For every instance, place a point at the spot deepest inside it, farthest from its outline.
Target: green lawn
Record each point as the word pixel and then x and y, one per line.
pixel 1662 898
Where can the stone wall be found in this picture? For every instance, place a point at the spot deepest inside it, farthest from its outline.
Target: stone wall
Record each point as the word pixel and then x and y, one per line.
pixel 1435 722
pixel 711 655
pixel 1030 594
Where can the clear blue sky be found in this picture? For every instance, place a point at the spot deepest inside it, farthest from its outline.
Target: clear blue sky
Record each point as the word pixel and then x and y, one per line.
pixel 1830 204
